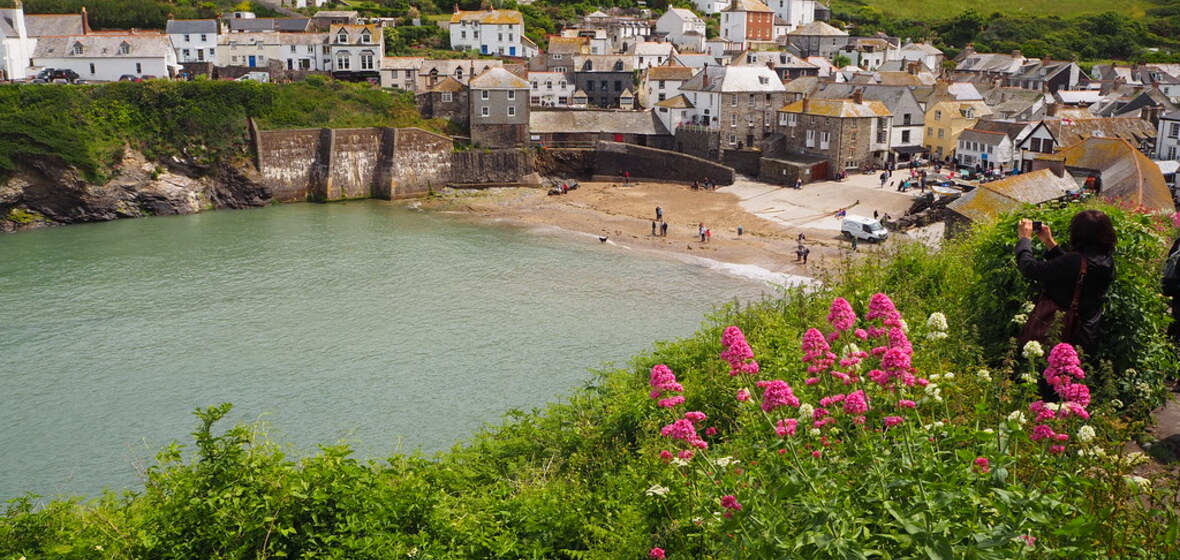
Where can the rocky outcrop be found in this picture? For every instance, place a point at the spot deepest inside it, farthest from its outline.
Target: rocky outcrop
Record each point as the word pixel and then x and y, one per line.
pixel 44 192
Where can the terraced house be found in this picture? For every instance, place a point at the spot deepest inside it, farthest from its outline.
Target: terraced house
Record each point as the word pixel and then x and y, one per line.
pixel 848 133
pixel 498 32
pixel 356 51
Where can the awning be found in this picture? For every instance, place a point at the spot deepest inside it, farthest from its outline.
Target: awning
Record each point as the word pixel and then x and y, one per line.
pixel 909 149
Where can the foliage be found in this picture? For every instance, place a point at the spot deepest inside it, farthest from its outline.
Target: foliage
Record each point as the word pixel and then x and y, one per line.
pixel 962 473
pixel 87 127
pixel 140 14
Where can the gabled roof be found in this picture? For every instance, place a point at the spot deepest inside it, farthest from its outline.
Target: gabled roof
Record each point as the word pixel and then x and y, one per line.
pixel 104 46
pixel 354 33
pixel 325 14
pixel 1071 131
pixel 450 65
pixel 839 108
pixel 652 48
pixel 803 85
pixel 924 48
pixel 53 25
pixel 285 25
pixel 490 17
pixel 1078 96
pixel 735 79
pixel 818 28
pixel 498 78
pixel 692 60
pixel 1014 130
pixel 681 73
pixel 891 96
pixel 989 62
pixel 747 6
pixel 1009 194
pixel 595 121
pixel 402 62
pixel 447 84
pixel 984 137
pixel 778 59
pixel 303 38
pixel 569 45
pixel 1126 173
pixel 686 15
pixel 678 102
pixel 181 26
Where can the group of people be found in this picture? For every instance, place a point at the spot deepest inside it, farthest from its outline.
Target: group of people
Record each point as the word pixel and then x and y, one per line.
pixel 706 184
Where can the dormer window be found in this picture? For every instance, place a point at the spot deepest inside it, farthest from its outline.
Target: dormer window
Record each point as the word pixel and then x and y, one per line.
pixel 77 50
pixel 459 73
pixel 618 66
pixel 342 37
pixel 763 80
pixel 124 48
pixel 366 37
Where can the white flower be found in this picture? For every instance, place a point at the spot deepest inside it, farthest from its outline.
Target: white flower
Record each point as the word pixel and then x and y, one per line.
pixel 934 377
pixel 1027 307
pixel 1028 377
pixel 984 375
pixel 1032 350
pixel 938 424
pixel 989 431
pixel 936 322
pixel 935 335
pixel 1139 481
pixel 725 461
pixel 1053 406
pixel 1085 433
pixel 948 375
pixel 814 431
pixel 657 490
pixel 98 547
pixel 905 328
pixel 1020 318
pixel 805 412
pixel 1018 417
pixel 677 461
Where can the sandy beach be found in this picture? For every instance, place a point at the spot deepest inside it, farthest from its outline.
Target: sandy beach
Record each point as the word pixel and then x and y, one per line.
pixel 772 217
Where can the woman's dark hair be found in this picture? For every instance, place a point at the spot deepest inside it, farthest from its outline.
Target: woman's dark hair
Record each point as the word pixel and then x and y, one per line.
pixel 1090 231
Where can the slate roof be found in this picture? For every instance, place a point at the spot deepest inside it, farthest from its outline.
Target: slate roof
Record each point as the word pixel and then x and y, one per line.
pixel 735 79
pixel 818 28
pixel 324 14
pixel 1011 102
pixel 490 17
pixel 569 45
pixel 104 46
pixel 448 66
pixel 1012 193
pixel 1126 173
pixel 1078 96
pixel 1015 130
pixel 1071 131
pixel 840 108
pixel 53 25
pixel 693 60
pixel 983 204
pixel 402 62
pixel 681 73
pixel 779 59
pixel 651 48
pixel 595 121
pixel 7 26
pixel 678 102
pixel 747 6
pixel 686 15
pixel 925 48
pixel 286 25
pixel 990 62
pixel 891 96
pixel 984 137
pixel 498 78
pixel 603 63
pixel 305 39
pixel 190 26
pixel 447 84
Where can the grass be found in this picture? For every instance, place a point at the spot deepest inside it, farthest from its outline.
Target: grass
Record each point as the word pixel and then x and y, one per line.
pixel 925 9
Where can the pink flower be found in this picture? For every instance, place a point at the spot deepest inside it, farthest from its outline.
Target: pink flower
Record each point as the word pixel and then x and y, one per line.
pixel 982 465
pixel 906 403
pixel 817 454
pixel 1075 392
pixel 891 421
pixel 662 379
pixel 656 553
pixel 686 454
pixel 816 351
pixel 1029 540
pixel 743 395
pixel 666 455
pixel 881 307
pixel 811 381
pixel 1057 449
pixel 1042 431
pixel 856 403
pixel 777 393
pixel 655 393
pixel 695 416
pixel 671 401
pixel 841 316
pixel 861 334
pixel 830 400
pixel 786 427
pixel 711 431
pixel 730 502
pixel 737 352
pixel 1064 366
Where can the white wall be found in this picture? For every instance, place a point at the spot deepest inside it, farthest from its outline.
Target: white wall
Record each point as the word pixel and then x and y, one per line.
pixel 1168 140
pixel 109 69
pixel 199 50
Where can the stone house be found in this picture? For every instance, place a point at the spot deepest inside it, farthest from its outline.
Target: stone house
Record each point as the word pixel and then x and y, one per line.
pixel 401 72
pixel 1051 134
pixel 105 57
pixel 749 23
pixel 499 109
pixel 431 72
pixel 816 39
pixel 735 104
pixel 908 130
pixel 305 51
pixel 323 20
pixel 674 112
pixel 603 78
pixel 683 28
pixel 560 55
pixel 621 31
pixel 250 50
pixel 448 99
pixel 556 128
pixel 195 40
pixel 848 133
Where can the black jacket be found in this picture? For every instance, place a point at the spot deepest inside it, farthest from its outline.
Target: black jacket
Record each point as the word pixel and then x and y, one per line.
pixel 1058 277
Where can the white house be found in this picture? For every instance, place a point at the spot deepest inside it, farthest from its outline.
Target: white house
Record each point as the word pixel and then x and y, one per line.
pixel 498 32
pixel 748 23
pixel 16 46
pixel 661 83
pixel 195 40
pixel 709 87
pixel 106 57
pixel 674 112
pixel 984 149
pixel 252 50
pixel 710 6
pixel 648 54
pixel 1167 140
pixel 794 13
pixel 925 53
pixel 551 89
pixel 305 51
pixel 401 72
pixel 684 29
pixel 356 50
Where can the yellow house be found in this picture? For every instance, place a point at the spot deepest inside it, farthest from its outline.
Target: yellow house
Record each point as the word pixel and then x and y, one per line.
pixel 947 117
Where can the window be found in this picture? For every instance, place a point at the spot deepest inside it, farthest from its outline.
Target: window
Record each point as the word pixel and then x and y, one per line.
pixel 549 84
pixel 810 139
pixel 792 119
pixel 500 37
pixel 201 54
pixel 186 37
pixel 138 68
pixel 484 94
pixel 366 60
pixel 234 59
pixel 186 54
pixel 661 97
pixel 905 119
pixel 941 132
pixel 1174 130
pixel 462 34
pixel 590 85
pixel 749 120
pixel 558 57
pixel 292 50
pixel 938 115
pixel 124 48
pixel 825 139
pixel 511 95
pixel 366 37
pixel 660 84
pixel 763 80
pixel 342 37
pixel 618 85
pixel 485 111
pixel 733 100
pixel 343 62
pixel 447 97
pixel 929 131
pixel 733 120
pixel 210 53
pixel 905 136
pixel 732 139
pixel 511 111
pixel 204 37
pixel 91 67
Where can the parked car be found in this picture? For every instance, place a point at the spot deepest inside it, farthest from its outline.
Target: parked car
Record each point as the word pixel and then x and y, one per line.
pixel 63 74
pixel 147 77
pixel 130 78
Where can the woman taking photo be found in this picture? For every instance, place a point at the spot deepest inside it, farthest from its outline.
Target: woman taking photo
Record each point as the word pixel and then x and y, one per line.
pixel 1077 278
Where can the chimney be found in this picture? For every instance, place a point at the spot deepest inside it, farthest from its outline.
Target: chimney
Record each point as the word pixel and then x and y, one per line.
pixel 1016 54
pixel 858 96
pixel 1053 163
pixel 1051 109
pixel 913 67
pixel 85 22
pixel 969 49
pixel 806 104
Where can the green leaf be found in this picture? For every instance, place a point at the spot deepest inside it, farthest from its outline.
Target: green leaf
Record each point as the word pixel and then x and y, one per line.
pixel 939 549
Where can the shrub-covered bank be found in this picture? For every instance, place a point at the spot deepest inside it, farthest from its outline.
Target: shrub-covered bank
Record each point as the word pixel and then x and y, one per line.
pixel 885 415
pixel 203 122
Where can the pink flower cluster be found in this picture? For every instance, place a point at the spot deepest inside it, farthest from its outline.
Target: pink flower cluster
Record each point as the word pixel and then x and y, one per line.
pixel 881 307
pixel 663 380
pixel 685 430
pixel 856 403
pixel 737 352
pixel 657 553
pixel 776 394
pixel 1064 368
pixel 786 427
pixel 982 465
pixel 841 316
pixel 730 502
pixel 817 352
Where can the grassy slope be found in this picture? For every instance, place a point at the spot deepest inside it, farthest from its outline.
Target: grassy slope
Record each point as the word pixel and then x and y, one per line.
pixel 926 9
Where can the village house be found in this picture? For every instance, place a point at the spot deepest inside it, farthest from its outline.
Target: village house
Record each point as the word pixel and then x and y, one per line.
pixel 720 47
pixel 260 25
pixel 1167 142
pixel 448 100
pixel 1052 133
pixel 869 53
pixel 908 128
pixel 793 13
pixel 194 40
pixel 734 106
pixel 947 117
pixel 925 53
pixel 499 109
pixel 786 65
pixel 551 89
pixel 431 72
pixel 647 54
pixel 1045 75
pixel 683 28
pixel 356 51
pixel 674 112
pixel 324 20
pixel 847 133
pixel 973 66
pixel 748 23
pixel 496 32
pixel 816 39
pixel 19 33
pixel 401 72
pixel 710 7
pixel 621 31
pixel 560 55
pixel 604 78
pixel 107 56
pixel 1013 103
pixel 300 4
pixel 249 50
pixel 660 83
pixel 984 149
pixel 308 52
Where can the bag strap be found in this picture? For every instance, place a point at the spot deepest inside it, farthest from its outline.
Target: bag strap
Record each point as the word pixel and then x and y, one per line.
pixel 1077 291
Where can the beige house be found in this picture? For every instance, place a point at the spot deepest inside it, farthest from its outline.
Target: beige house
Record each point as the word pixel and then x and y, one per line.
pixel 946 118
pixel 252 50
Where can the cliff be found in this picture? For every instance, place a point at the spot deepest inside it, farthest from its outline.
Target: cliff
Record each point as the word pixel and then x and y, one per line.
pixel 45 192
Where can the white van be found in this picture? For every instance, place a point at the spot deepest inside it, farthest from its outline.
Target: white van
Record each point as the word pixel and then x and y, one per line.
pixel 868 229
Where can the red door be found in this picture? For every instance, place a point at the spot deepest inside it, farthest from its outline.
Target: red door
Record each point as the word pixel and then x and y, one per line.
pixel 618 137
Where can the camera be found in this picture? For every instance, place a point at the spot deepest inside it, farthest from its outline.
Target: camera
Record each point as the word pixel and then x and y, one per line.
pixel 1037 226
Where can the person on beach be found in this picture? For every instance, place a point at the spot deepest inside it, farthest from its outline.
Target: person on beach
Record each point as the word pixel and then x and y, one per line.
pixel 740 231
pixel 802 237
pixel 708 235
pixel 663 229
pixel 626 177
pixel 659 213
pixel 884 177
pixel 701 231
pixel 798 183
pixel 654 225
pixel 855 243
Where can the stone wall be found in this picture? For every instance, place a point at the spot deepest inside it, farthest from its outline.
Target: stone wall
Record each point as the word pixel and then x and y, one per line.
pixel 698 141
pixel 419 161
pixel 495 166
pixel 743 161
pixel 613 158
pixel 289 162
pixel 355 157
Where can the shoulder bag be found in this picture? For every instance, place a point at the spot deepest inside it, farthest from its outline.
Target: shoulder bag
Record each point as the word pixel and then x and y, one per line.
pixel 1044 314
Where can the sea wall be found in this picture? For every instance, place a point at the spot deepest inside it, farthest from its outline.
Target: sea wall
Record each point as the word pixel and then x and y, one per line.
pixel 652 164
pixel 494 166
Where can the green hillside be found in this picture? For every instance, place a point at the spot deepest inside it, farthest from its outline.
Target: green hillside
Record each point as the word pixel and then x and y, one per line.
pixel 942 9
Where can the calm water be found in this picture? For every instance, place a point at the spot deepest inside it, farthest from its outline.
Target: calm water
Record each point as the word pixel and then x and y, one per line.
pixel 365 322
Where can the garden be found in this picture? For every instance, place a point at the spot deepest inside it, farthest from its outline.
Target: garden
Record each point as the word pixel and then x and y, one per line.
pixel 887 414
